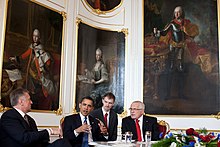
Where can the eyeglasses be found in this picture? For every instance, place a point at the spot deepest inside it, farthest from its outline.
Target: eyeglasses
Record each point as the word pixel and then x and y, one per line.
pixel 135 109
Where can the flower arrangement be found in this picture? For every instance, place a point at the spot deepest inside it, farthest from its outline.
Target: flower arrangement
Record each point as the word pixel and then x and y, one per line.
pixel 191 138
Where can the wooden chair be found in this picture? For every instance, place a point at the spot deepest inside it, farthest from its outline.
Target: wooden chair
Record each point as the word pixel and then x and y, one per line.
pixel 164 128
pixel 62 125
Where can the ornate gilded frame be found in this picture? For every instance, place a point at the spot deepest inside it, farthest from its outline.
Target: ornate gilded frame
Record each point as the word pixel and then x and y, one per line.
pixel 112 60
pixel 203 97
pixel 28 15
pixel 100 11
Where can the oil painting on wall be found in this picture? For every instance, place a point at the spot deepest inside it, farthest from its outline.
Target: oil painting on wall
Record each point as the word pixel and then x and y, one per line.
pixel 104 5
pixel 32 53
pixel 100 65
pixel 181 50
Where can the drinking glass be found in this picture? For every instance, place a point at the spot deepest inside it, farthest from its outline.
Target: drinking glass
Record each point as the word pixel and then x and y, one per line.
pixel 148 136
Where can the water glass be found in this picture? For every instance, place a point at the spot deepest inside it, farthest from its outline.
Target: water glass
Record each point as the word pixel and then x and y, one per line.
pixel 148 136
pixel 128 136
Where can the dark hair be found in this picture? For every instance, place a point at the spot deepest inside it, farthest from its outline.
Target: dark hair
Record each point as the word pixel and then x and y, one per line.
pixel 16 94
pixel 109 95
pixel 88 98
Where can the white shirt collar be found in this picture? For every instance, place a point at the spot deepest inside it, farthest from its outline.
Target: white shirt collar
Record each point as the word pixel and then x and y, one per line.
pixel 141 118
pixel 19 111
pixel 83 118
pixel 104 112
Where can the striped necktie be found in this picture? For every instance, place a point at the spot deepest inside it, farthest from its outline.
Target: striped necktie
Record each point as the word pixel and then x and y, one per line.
pixel 85 136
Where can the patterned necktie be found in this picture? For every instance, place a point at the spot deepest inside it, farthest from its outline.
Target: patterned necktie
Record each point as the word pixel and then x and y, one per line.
pixel 85 136
pixel 138 130
pixel 106 120
pixel 26 119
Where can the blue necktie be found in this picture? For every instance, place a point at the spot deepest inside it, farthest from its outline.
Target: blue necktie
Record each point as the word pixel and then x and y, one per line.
pixel 85 136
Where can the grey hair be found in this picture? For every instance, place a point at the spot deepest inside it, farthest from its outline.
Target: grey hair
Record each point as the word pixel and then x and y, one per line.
pixel 141 104
pixel 16 94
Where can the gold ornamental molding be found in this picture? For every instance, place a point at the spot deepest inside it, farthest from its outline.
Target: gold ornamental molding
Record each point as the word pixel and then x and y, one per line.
pixel 78 21
pixel 125 31
pixel 216 116
pixel 99 12
pixel 64 15
pixel 74 110
pixel 123 114
pixel 1 107
pixel 59 111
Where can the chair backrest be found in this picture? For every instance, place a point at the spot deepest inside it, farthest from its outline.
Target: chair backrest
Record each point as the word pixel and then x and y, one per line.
pixel 62 123
pixel 164 128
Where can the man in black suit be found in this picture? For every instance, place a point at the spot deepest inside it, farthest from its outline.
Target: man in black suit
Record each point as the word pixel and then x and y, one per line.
pixel 107 117
pixel 77 126
pixel 19 130
pixel 138 119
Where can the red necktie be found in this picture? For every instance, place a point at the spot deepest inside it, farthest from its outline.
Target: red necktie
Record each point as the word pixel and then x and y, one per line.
pixel 105 119
pixel 138 130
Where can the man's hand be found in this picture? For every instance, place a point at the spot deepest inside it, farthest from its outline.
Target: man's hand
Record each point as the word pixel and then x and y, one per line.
pixel 56 131
pixel 84 128
pixel 103 129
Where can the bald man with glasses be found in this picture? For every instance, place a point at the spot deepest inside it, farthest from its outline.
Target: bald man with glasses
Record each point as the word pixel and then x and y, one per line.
pixel 138 123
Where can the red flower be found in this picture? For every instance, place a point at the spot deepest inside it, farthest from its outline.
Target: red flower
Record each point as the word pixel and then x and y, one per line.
pixel 196 133
pixel 205 138
pixel 189 131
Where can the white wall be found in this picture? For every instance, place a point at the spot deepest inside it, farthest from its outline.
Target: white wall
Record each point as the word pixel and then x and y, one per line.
pixel 127 16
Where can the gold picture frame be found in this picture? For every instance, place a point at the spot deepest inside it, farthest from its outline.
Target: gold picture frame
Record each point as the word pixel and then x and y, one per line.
pixel 90 39
pixel 23 19
pixel 195 91
pixel 103 6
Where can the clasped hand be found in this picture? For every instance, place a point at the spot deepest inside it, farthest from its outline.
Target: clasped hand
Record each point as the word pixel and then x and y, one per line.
pixel 84 128
pixel 56 131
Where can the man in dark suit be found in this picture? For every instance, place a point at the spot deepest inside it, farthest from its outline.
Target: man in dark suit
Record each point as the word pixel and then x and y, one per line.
pixel 79 126
pixel 107 117
pixel 138 119
pixel 19 130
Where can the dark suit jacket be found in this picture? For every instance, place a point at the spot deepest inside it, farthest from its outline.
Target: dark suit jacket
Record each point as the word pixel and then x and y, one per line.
pixel 113 122
pixel 149 124
pixel 15 131
pixel 72 122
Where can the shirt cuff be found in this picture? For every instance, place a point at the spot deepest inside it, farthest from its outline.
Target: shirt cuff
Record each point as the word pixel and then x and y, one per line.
pixel 76 134
pixel 50 131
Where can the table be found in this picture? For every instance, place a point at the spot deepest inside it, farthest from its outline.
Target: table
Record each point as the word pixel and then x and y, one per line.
pixel 120 144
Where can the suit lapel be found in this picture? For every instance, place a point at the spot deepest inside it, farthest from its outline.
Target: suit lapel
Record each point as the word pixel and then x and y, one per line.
pixel 132 126
pixel 144 127
pixel 111 121
pixel 79 122
pixel 101 113
pixel 23 122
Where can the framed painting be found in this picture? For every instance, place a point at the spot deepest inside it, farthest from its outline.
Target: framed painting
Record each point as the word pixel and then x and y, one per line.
pixel 100 65
pixel 32 53
pixel 181 57
pixel 103 6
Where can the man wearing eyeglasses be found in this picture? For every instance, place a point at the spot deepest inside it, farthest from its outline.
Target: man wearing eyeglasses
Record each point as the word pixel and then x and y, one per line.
pixel 138 123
